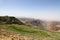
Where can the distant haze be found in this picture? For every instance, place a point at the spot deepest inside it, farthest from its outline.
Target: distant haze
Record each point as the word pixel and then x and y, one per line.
pixel 41 9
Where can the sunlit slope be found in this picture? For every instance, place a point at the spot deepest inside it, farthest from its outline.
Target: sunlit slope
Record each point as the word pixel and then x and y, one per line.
pixel 33 32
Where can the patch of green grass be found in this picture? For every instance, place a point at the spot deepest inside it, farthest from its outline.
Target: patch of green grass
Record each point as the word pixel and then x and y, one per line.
pixel 29 30
pixel 34 31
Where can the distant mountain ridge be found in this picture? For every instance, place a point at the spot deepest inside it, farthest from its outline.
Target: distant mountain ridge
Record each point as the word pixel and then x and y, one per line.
pixel 50 25
pixel 34 22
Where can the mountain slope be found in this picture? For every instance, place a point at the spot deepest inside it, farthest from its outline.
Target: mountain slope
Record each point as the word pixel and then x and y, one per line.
pixel 49 25
pixel 34 22
pixel 9 20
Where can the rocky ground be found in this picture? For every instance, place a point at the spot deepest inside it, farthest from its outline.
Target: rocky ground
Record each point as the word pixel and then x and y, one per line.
pixel 6 35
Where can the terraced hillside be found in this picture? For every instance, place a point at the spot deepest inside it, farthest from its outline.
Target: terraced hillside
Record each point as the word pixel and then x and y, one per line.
pixel 22 32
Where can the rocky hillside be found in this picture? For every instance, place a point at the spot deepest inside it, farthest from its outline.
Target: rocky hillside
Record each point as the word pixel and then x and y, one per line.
pixel 9 20
pixel 33 22
pixel 50 25
pixel 53 25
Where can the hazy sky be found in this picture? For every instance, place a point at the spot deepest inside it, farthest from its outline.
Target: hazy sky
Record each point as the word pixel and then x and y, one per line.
pixel 41 9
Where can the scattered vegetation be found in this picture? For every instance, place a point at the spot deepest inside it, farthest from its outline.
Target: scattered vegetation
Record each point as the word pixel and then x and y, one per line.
pixel 33 32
